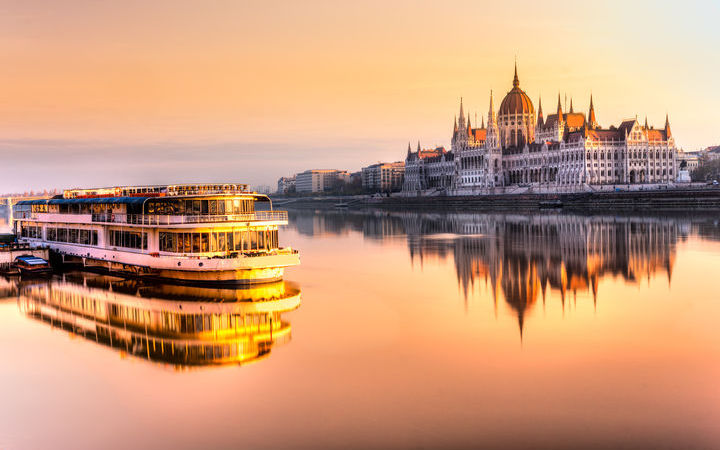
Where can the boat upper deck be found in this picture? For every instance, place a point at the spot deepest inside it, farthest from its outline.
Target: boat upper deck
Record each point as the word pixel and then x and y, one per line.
pixel 177 205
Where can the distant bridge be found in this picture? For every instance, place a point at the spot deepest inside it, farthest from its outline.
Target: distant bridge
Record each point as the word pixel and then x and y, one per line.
pixel 6 204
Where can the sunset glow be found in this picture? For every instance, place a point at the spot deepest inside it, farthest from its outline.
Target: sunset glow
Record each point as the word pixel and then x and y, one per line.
pixel 268 89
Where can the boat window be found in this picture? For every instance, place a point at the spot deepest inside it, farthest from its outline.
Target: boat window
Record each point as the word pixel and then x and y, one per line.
pixel 222 242
pixel 205 243
pixel 187 243
pixel 195 243
pixel 128 239
pixel 213 242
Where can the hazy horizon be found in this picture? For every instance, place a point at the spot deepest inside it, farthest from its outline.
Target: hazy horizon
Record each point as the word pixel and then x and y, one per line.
pixel 103 93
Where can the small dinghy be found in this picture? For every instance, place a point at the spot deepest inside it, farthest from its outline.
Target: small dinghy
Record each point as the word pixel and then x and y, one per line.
pixel 32 265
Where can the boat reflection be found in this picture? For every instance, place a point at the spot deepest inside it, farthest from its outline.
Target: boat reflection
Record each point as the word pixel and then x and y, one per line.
pixel 175 325
pixel 8 288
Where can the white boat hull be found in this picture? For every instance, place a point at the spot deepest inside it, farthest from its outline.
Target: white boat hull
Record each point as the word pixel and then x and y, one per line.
pixel 244 269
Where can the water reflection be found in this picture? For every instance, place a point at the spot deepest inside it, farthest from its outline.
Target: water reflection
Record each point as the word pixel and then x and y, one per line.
pixel 176 325
pixel 517 258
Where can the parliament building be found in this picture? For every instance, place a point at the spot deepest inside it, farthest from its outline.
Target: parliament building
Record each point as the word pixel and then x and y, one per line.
pixel 520 150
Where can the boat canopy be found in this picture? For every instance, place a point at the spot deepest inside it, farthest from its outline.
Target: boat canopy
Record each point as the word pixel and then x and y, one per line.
pixel 31 260
pixel 93 201
pixel 115 200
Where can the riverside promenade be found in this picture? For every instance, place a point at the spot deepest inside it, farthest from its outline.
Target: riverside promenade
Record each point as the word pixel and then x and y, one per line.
pixel 655 200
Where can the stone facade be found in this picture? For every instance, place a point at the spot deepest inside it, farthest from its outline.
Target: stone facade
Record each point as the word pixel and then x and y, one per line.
pixel 429 169
pixel 565 152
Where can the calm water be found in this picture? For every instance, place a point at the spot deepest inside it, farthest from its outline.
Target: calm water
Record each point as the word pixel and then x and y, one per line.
pixel 398 330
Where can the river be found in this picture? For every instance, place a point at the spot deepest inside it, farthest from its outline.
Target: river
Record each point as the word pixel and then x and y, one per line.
pixel 398 330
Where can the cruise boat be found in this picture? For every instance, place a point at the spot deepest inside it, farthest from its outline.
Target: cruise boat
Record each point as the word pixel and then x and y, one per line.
pixel 194 233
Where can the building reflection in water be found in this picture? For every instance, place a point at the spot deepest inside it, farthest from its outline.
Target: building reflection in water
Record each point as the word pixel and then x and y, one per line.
pixel 177 325
pixel 521 256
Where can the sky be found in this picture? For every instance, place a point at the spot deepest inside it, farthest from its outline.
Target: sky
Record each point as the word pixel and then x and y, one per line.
pixel 96 93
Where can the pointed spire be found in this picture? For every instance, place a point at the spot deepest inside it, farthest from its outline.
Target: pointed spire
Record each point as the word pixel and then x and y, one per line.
pixel 516 81
pixel 591 114
pixel 483 123
pixel 667 126
pixel 491 110
pixel 571 106
pixel 409 150
pixel 468 124
pixel 455 126
pixel 646 123
pixel 418 147
pixel 559 110
pixel 462 126
pixel 540 119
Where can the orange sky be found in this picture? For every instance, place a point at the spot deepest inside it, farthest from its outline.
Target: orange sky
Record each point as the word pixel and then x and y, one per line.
pixel 250 92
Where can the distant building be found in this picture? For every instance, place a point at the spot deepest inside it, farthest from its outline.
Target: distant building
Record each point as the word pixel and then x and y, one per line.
pixel 383 177
pixel 356 178
pixel 428 169
pixel 712 153
pixel 689 160
pixel 286 184
pixel 320 180
pixel 521 150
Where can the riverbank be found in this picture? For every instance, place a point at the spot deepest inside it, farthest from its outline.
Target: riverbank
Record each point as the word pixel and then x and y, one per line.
pixel 656 200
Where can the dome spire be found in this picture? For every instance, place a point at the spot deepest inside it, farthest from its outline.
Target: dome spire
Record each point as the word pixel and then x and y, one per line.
pixel 668 134
pixel 516 81
pixel 571 107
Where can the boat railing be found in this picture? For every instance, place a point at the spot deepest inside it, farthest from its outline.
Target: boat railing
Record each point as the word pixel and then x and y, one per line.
pixel 161 219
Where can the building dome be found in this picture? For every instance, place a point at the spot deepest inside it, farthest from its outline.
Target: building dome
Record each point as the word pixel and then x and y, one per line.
pixel 516 101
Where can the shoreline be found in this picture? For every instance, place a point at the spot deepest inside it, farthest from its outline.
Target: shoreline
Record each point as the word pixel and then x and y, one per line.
pixel 655 200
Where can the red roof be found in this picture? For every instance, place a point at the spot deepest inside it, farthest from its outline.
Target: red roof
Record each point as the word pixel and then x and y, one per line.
pixel 572 120
pixel 656 135
pixel 431 152
pixel 605 135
